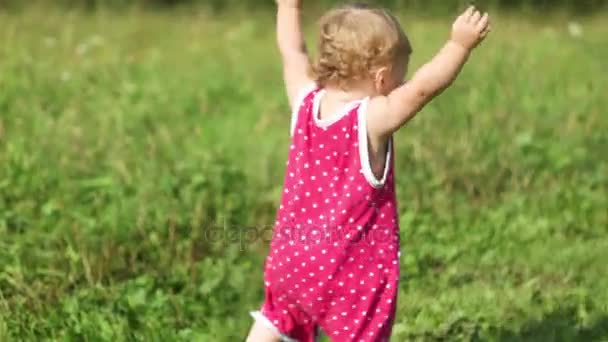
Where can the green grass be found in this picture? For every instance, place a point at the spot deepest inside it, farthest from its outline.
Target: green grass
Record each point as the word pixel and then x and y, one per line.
pixel 126 138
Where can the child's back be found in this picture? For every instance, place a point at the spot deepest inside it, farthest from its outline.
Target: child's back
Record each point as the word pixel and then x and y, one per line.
pixel 333 261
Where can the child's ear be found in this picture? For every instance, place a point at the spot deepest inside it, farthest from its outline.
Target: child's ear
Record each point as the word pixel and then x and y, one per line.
pixel 380 79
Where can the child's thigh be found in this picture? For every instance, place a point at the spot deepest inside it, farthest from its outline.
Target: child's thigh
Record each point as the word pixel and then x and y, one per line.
pixel 261 333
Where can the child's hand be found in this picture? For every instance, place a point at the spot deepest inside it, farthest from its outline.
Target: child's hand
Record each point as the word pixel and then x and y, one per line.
pixel 290 3
pixel 471 28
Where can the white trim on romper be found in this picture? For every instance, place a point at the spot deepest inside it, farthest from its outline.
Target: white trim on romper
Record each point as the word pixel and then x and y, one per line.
pixel 298 104
pixel 258 316
pixel 364 153
pixel 325 123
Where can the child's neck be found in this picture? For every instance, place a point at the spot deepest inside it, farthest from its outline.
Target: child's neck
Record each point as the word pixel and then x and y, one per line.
pixel 351 94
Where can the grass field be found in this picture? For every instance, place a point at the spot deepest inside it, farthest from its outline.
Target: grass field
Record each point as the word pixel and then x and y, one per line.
pixel 125 138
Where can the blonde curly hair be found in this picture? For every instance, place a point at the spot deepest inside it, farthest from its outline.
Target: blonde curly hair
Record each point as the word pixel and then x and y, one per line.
pixel 354 42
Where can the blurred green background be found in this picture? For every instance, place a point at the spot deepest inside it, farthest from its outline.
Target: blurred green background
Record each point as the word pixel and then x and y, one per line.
pixel 141 142
pixel 436 6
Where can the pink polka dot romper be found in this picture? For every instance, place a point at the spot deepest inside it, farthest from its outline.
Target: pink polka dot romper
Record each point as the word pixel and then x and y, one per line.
pixel 333 261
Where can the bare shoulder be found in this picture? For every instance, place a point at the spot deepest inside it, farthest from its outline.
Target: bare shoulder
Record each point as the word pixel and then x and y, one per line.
pixel 377 105
pixel 377 114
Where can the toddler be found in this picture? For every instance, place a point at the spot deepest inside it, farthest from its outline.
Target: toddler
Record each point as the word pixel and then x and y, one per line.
pixel 334 257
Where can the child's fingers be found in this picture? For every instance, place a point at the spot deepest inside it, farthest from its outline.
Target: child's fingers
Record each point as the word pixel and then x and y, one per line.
pixel 486 31
pixel 483 22
pixel 475 18
pixel 468 13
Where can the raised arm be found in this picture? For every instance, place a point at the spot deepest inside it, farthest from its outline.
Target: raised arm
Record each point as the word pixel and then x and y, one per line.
pixel 292 47
pixel 387 114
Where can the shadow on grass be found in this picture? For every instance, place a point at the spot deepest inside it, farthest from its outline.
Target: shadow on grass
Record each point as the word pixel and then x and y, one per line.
pixel 562 325
pixel 558 326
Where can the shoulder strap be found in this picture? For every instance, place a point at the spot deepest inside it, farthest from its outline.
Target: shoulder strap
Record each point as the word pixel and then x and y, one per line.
pixel 303 97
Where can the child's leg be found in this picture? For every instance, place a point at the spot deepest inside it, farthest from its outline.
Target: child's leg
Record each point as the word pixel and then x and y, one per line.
pixel 261 333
